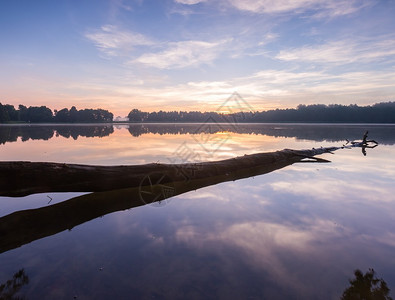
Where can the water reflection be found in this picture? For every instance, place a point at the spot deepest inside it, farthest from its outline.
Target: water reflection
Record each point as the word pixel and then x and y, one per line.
pixel 10 289
pixel 296 233
pixel 25 226
pixel 385 134
pixel 11 133
pixel 315 132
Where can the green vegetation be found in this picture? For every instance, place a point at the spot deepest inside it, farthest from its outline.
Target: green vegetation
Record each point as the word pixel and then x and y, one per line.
pixel 42 114
pixel 378 113
pixel 366 286
pixel 10 289
pixel 316 113
pixel 80 116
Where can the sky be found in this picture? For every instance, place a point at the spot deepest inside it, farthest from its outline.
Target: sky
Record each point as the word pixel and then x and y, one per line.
pixel 194 54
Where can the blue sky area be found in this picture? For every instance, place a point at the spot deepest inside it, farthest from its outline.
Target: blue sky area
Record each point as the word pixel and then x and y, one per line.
pixel 193 54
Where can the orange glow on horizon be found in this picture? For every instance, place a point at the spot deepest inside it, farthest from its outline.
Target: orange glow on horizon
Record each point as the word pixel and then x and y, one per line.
pixel 123 109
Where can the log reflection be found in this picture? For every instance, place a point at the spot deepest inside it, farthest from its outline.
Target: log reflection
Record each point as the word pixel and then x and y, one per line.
pixel 123 187
pixel 25 226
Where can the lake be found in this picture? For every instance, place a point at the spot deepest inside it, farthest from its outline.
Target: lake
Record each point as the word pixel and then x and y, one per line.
pixel 298 232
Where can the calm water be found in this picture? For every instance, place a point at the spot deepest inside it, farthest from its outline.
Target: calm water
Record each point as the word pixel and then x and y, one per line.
pixel 296 233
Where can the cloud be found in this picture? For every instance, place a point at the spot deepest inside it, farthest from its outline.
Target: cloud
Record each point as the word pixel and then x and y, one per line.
pixel 186 7
pixel 182 11
pixel 336 8
pixel 270 246
pixel 268 38
pixel 114 42
pixel 341 52
pixel 270 88
pixel 189 2
pixel 323 8
pixel 290 86
pixel 271 6
pixel 183 54
pixel 267 89
pixel 331 52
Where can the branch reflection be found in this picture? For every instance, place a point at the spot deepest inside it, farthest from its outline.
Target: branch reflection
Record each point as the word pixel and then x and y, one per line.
pixel 10 289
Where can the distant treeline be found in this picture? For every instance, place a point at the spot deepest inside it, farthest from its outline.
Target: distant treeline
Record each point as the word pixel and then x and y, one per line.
pixel 317 113
pixel 377 113
pixel 42 114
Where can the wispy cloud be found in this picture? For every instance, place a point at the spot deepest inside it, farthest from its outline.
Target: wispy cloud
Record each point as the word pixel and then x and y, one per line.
pixel 184 11
pixel 116 6
pixel 269 6
pixel 268 38
pixel 322 8
pixel 335 8
pixel 289 86
pixel 340 52
pixel 183 54
pixel 266 90
pixel 349 69
pixel 114 41
pixel 186 7
pixel 189 2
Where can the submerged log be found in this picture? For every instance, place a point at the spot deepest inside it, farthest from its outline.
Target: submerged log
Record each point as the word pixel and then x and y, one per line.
pixel 21 178
pixel 25 226
pixel 119 188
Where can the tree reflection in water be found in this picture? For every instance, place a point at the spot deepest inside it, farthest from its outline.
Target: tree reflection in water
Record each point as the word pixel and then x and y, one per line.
pixel 312 132
pixel 366 287
pixel 362 287
pixel 9 289
pixel 11 133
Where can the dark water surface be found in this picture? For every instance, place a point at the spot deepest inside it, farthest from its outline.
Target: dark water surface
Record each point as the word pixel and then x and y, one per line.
pixel 296 233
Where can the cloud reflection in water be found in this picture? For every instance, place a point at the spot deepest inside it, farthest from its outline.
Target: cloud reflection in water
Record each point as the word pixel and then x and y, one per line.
pixel 296 233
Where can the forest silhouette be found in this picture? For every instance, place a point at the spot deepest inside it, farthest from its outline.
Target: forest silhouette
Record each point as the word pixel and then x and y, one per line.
pixel 366 286
pixel 43 114
pixel 317 113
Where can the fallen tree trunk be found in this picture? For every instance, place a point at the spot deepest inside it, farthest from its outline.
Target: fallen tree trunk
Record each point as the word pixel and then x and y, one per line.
pixel 147 184
pixel 25 226
pixel 21 178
